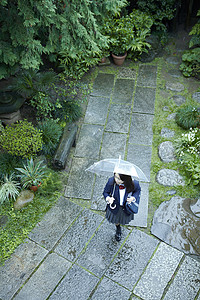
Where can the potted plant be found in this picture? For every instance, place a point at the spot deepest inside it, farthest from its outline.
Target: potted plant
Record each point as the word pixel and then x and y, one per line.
pixel 128 33
pixel 32 174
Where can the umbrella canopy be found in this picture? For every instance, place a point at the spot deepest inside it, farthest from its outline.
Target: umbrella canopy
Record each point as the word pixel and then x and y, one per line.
pixel 112 165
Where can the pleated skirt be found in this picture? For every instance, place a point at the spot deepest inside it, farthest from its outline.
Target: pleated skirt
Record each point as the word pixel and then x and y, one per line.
pixel 120 218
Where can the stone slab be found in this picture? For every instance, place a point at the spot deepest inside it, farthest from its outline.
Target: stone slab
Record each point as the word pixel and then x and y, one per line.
pixel 76 285
pixel 103 85
pixel 140 219
pixel 80 182
pixel 113 145
pixel 140 156
pixel 158 273
pixel 97 110
pixel 19 267
pixel 109 290
pixel 179 99
pixel 123 91
pixel 98 202
pixel 129 263
pixel 121 123
pixel 127 73
pixel 45 278
pixel 75 239
pixel 196 96
pixel 101 249
pixel 89 141
pixel 144 100
pixel 147 75
pixel 186 283
pixel 48 231
pixel 141 129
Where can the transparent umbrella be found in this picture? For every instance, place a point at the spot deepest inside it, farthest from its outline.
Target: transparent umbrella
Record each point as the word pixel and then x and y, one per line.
pixel 112 165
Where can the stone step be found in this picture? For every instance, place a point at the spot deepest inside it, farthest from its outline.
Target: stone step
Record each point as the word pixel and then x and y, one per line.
pixel 158 273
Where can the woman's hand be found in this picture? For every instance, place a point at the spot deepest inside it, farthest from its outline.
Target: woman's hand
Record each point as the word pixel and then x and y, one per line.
pixel 110 200
pixel 131 199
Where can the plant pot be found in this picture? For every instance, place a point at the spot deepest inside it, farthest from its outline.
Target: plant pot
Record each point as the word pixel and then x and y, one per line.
pixel 119 60
pixel 34 188
pixel 103 60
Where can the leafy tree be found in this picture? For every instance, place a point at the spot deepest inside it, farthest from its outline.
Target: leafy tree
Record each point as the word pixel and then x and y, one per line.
pixel 32 29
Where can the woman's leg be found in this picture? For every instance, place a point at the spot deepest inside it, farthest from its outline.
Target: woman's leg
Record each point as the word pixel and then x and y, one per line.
pixel 118 233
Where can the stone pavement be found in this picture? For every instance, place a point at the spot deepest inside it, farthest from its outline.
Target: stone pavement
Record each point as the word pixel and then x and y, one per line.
pixel 72 253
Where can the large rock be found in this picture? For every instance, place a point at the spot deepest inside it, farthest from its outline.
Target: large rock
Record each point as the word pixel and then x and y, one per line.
pixel 176 224
pixel 24 198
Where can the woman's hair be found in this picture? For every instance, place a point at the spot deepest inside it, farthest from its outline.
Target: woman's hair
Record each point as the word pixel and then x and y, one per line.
pixel 128 182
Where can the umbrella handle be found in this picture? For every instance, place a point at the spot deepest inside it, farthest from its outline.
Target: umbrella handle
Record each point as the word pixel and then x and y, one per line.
pixel 112 207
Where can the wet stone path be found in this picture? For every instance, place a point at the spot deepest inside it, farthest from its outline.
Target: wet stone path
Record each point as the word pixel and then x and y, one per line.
pixel 72 254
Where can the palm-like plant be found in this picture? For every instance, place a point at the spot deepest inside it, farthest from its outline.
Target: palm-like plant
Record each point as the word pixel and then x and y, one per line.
pixel 30 82
pixel 9 188
pixel 32 173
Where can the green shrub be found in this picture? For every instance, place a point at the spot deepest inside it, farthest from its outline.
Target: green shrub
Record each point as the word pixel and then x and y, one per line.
pixel 188 154
pixel 9 188
pixel 21 139
pixel 188 116
pixel 51 133
pixel 43 104
pixel 191 63
pixel 8 163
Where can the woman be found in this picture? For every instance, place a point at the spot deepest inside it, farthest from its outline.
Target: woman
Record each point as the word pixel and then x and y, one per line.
pixel 119 189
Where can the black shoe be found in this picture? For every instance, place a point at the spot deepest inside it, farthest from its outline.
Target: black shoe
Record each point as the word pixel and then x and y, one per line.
pixel 118 236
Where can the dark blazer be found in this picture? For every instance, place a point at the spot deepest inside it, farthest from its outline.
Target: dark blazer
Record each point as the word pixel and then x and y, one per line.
pixel 108 191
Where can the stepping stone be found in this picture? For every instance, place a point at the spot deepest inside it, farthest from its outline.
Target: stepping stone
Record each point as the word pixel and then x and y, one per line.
pixel 46 277
pixel 103 85
pixel 76 285
pixel 141 129
pixel 167 133
pixel 75 239
pixel 186 283
pixel 128 265
pixel 123 91
pixel 89 141
pixel 158 273
pixel 175 86
pixel 108 289
pixel 195 208
pixel 166 151
pixel 80 182
pixel 48 231
pixel 174 60
pixel 121 123
pixel 171 117
pixel 147 76
pixel 144 100
pixel 175 224
pixel 196 96
pixel 19 267
pixel 178 99
pixel 174 73
pixel 97 110
pixel 169 177
pixel 113 145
